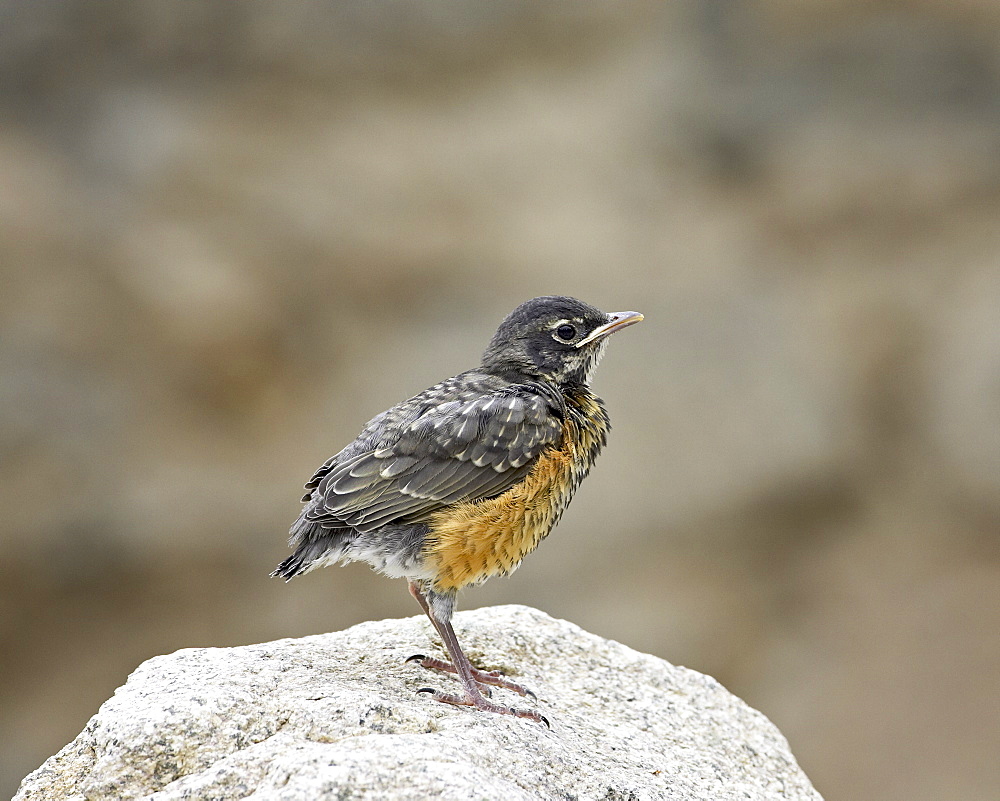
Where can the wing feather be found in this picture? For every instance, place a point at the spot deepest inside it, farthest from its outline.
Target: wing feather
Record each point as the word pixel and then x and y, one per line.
pixel 448 451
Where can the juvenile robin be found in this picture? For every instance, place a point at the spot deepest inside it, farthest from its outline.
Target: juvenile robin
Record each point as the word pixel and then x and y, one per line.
pixel 460 482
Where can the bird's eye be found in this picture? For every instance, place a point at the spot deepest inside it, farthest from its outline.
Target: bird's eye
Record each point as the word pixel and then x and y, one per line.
pixel 566 332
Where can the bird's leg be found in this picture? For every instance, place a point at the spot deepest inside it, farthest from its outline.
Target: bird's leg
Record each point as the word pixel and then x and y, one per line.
pixel 491 677
pixel 441 619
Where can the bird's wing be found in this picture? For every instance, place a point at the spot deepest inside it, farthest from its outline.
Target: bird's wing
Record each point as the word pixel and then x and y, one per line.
pixel 455 450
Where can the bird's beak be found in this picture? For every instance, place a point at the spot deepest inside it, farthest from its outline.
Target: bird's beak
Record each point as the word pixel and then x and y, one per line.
pixel 616 321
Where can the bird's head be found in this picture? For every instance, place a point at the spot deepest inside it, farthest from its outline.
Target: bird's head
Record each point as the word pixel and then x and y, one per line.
pixel 554 338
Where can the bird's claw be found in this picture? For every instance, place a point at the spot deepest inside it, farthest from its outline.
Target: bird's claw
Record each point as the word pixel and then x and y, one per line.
pixel 484 678
pixel 479 702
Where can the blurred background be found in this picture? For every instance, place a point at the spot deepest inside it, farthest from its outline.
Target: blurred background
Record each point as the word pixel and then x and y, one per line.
pixel 230 233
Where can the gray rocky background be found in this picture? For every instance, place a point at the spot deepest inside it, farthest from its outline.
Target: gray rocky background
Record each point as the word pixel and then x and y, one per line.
pixel 230 233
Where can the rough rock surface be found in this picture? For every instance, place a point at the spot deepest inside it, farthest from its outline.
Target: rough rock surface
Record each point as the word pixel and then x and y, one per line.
pixel 337 716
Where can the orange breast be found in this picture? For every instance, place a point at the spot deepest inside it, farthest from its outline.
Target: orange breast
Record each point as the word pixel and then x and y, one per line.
pixel 472 541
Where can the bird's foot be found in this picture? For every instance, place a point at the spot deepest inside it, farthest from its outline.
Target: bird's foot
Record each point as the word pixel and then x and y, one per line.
pixel 490 677
pixel 479 702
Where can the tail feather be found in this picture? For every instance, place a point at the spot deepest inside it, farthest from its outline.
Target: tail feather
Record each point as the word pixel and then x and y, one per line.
pixel 291 567
pixel 314 548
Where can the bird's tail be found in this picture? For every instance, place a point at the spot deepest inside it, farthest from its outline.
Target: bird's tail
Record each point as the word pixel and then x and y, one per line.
pixel 315 546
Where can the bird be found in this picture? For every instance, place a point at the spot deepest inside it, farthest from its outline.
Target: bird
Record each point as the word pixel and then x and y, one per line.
pixel 463 480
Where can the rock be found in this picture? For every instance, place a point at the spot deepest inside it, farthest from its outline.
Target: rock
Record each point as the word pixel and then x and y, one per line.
pixel 337 716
